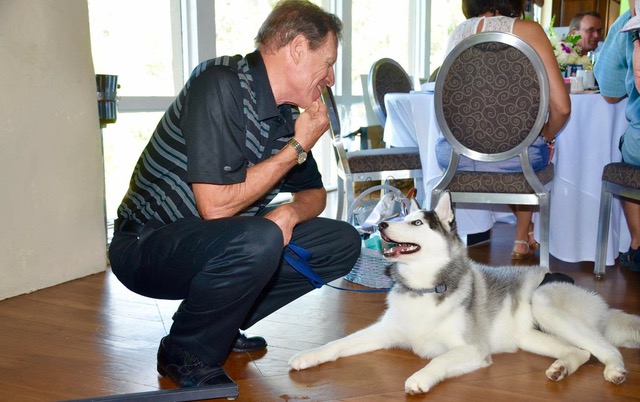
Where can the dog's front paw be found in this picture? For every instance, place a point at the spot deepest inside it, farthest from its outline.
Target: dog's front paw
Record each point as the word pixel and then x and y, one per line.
pixel 306 359
pixel 557 371
pixel 417 384
pixel 616 375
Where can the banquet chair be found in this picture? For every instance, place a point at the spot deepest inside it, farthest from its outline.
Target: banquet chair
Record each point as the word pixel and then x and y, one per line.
pixel 434 75
pixel 369 164
pixel 491 102
pixel 386 76
pixel 619 179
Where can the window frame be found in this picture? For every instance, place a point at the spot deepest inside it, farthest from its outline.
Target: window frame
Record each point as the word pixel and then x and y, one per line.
pixel 193 26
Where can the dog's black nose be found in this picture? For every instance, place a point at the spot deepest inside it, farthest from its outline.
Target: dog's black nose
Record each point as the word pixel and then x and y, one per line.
pixel 383 225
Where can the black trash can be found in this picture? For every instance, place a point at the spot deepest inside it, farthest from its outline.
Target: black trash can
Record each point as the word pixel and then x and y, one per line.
pixel 107 87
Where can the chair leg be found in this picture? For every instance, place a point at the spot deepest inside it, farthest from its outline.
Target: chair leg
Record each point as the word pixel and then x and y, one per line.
pixel 435 196
pixel 350 198
pixel 603 232
pixel 544 231
pixel 420 196
pixel 340 209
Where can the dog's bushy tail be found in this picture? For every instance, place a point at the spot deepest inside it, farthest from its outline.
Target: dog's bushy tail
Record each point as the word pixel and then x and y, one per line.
pixel 623 329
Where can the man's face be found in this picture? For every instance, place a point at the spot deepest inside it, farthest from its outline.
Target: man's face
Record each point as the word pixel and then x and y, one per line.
pixel 590 32
pixel 316 71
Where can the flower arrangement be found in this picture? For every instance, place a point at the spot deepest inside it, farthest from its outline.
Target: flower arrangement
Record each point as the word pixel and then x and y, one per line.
pixel 567 50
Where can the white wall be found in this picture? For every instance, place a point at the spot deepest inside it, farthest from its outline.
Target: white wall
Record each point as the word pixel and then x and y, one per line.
pixel 52 225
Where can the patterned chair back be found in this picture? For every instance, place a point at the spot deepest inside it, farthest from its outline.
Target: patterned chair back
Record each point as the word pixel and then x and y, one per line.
pixel 491 102
pixel 386 76
pixel 495 96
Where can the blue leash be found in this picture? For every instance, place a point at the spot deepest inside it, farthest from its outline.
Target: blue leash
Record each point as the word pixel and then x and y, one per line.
pixel 298 257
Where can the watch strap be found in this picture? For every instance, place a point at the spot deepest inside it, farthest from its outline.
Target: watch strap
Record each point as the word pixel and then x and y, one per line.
pixel 302 154
pixel 296 145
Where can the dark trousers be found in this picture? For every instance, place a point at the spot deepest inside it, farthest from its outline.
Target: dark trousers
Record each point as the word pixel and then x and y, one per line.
pixel 230 272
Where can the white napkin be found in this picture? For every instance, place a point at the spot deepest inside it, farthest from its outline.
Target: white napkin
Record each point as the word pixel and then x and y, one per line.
pixel 389 206
pixel 430 86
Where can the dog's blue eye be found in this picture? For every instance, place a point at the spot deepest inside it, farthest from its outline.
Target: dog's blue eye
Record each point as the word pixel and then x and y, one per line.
pixel 416 223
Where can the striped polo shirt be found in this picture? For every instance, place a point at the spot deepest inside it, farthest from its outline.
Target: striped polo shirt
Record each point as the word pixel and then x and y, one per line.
pixel 224 120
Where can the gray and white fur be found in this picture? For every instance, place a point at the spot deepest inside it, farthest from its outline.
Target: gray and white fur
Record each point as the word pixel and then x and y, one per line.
pixel 449 309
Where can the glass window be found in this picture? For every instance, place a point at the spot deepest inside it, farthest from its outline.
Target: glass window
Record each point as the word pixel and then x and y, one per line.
pixel 134 40
pixel 236 28
pixel 123 143
pixel 446 15
pixel 378 30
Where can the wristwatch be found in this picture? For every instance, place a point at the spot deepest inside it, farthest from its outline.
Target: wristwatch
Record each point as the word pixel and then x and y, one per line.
pixel 635 35
pixel 302 154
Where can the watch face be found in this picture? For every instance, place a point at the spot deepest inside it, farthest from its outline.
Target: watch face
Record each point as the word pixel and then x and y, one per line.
pixel 302 157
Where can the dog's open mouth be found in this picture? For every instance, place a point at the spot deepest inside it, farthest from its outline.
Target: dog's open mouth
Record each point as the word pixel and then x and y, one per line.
pixel 396 249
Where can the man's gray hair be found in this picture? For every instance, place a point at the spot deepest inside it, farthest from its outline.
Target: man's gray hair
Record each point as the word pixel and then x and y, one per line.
pixel 577 19
pixel 290 18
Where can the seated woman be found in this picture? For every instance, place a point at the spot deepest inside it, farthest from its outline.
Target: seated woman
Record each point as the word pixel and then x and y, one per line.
pixel 504 16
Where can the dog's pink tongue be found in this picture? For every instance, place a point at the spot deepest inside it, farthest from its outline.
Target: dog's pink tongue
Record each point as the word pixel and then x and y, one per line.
pixel 395 251
pixel 391 252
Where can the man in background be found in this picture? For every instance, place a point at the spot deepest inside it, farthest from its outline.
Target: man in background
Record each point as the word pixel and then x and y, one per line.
pixel 589 26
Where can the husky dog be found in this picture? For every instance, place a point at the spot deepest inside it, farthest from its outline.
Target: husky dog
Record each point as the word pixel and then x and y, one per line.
pixel 458 313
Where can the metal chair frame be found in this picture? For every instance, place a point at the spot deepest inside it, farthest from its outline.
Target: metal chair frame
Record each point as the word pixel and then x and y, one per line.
pixel 377 99
pixel 347 179
pixel 607 192
pixel 540 196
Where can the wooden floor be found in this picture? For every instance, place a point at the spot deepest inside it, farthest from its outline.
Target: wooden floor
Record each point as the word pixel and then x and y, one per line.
pixel 92 337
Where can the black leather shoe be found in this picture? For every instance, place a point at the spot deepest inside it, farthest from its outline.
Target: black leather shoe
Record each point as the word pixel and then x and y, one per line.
pixel 185 369
pixel 244 344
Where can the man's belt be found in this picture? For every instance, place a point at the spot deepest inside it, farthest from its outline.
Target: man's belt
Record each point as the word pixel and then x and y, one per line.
pixel 127 226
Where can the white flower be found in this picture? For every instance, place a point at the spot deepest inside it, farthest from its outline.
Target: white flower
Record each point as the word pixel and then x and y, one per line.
pixel 567 51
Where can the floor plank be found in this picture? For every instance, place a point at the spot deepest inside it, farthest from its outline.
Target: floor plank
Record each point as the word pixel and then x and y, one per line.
pixel 92 337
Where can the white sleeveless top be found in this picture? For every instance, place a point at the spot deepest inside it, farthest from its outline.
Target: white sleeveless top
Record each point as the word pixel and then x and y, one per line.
pixel 469 27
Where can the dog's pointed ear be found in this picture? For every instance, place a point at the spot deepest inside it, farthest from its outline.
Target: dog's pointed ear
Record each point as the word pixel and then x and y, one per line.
pixel 444 209
pixel 413 205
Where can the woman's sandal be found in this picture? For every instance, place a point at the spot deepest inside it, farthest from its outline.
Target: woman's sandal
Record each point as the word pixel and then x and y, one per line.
pixel 521 256
pixel 631 259
pixel 534 245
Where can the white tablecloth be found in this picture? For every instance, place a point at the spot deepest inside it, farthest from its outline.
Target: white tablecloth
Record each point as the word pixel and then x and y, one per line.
pixel 587 143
